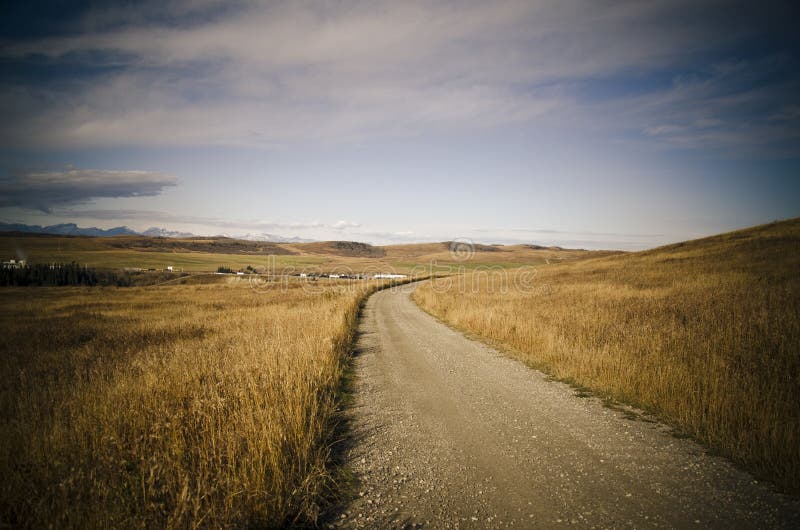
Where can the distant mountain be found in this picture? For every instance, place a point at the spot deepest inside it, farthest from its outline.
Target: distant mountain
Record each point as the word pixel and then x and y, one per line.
pixel 67 229
pixel 163 232
pixel 272 238
pixel 71 229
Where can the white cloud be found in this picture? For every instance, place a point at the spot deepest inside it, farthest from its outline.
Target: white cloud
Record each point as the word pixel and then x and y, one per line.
pixel 343 225
pixel 279 72
pixel 659 130
pixel 205 225
pixel 250 228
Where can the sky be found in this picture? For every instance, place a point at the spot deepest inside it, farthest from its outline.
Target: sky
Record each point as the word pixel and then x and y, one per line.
pixel 593 124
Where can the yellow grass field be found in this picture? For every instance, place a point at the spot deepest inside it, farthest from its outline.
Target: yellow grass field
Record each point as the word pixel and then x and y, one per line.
pixel 706 334
pixel 171 406
pixel 206 254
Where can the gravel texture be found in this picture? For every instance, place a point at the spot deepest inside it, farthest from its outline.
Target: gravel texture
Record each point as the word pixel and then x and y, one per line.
pixel 449 433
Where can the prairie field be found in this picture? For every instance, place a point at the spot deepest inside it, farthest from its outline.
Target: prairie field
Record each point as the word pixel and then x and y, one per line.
pixel 206 254
pixel 172 406
pixel 706 334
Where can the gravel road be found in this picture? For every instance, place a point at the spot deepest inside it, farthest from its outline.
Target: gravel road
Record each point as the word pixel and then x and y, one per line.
pixel 449 433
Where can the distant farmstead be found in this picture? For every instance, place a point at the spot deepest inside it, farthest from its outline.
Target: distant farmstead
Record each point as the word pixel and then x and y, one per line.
pixel 14 264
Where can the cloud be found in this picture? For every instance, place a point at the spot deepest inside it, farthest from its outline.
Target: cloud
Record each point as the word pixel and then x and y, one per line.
pixel 730 109
pixel 343 225
pixel 266 74
pixel 659 130
pixel 208 225
pixel 45 190
pixel 566 239
pixel 537 232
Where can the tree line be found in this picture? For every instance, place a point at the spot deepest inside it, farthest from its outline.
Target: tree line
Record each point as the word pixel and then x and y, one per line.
pixel 60 274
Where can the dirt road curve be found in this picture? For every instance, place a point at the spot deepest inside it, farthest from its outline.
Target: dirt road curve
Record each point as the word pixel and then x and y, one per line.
pixel 449 433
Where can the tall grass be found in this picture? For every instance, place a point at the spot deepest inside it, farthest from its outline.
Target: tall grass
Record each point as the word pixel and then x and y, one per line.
pixel 172 406
pixel 704 333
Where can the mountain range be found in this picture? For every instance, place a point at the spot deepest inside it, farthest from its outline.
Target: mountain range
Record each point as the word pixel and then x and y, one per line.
pixel 71 229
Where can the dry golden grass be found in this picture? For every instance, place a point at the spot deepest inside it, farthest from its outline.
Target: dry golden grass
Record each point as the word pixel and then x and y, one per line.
pixel 704 333
pixel 198 255
pixel 170 406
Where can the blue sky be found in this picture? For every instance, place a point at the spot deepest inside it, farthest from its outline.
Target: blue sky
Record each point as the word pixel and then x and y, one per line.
pixel 614 124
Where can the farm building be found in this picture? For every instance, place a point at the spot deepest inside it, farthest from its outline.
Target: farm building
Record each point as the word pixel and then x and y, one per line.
pixel 14 264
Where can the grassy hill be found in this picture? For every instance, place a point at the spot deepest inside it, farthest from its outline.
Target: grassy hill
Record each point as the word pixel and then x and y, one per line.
pixel 704 333
pixel 204 254
pixel 339 249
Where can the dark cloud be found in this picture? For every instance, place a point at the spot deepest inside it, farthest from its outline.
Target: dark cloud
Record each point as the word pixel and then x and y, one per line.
pixel 213 73
pixel 45 190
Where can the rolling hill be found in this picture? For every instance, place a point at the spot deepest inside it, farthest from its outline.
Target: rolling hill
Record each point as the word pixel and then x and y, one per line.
pixel 207 253
pixel 704 333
